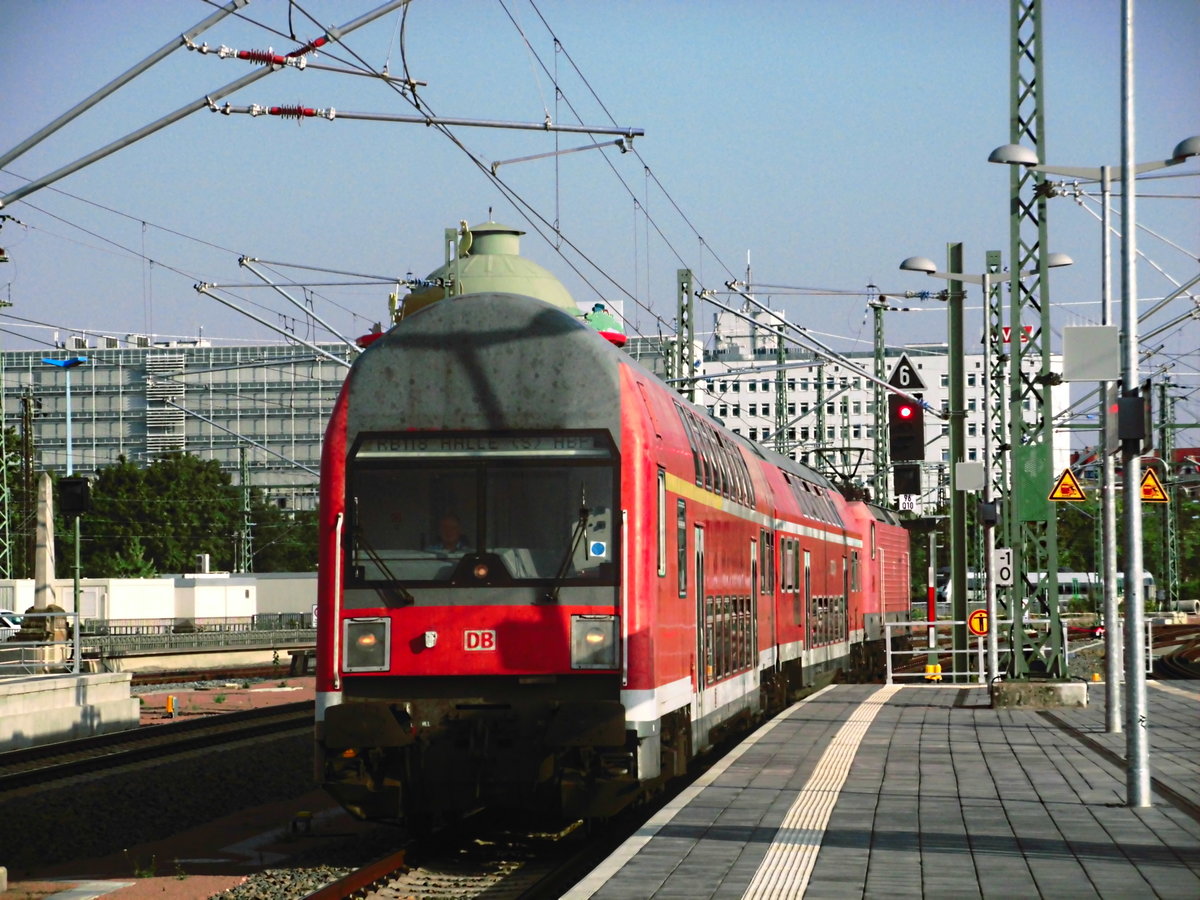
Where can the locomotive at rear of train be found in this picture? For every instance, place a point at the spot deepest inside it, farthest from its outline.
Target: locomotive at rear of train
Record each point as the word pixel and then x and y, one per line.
pixel 546 580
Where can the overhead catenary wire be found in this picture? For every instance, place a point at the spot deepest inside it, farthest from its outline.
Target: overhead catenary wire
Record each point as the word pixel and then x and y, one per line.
pixel 650 177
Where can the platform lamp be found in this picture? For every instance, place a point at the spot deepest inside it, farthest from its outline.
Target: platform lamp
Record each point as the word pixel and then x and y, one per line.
pixel 1016 155
pixel 987 280
pixel 74 493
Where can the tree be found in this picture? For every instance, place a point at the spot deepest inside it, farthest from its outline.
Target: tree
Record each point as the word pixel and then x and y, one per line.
pixel 157 519
pixel 129 563
pixel 284 541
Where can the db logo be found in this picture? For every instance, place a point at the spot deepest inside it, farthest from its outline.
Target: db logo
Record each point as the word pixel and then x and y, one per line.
pixel 479 640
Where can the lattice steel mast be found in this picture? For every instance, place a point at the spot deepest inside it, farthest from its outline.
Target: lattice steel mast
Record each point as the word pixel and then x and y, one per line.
pixel 1032 528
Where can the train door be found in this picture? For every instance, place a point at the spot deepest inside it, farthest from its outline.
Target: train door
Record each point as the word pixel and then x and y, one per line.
pixel 790 610
pixel 750 624
pixel 704 625
pixel 808 626
pixel 843 619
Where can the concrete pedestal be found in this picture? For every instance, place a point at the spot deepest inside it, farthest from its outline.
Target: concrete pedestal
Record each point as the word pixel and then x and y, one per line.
pixel 1039 694
pixel 36 711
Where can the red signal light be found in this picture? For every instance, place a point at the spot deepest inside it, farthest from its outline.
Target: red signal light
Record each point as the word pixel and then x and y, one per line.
pixel 906 429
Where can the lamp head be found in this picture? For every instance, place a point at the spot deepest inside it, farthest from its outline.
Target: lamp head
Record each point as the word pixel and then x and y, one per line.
pixel 918 264
pixel 1013 155
pixel 1188 147
pixel 1055 260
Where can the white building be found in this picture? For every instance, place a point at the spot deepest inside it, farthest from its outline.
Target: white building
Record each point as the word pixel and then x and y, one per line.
pixel 831 404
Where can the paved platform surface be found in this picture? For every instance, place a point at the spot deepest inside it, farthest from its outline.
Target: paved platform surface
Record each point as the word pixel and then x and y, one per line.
pixel 926 791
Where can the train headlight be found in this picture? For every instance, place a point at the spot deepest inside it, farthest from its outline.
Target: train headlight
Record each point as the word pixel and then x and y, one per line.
pixel 367 645
pixel 594 642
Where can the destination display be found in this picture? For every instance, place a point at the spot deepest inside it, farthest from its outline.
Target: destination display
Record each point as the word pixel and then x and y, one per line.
pixel 428 445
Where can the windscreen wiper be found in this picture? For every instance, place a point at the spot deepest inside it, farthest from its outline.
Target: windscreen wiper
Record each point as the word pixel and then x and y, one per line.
pixel 551 596
pixel 391 596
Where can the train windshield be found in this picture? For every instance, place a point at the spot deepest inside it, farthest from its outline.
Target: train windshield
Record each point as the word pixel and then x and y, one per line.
pixel 544 518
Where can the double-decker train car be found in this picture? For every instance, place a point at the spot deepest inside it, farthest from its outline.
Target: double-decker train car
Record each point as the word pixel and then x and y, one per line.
pixel 546 580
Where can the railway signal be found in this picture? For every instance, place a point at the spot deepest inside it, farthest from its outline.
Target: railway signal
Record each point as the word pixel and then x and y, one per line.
pixel 906 428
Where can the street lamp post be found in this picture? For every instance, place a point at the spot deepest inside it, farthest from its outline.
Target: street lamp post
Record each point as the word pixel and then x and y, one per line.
pixel 67 364
pixel 987 280
pixel 1015 154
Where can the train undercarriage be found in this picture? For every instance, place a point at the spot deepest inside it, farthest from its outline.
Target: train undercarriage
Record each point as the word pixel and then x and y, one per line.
pixel 552 748
pixel 515 749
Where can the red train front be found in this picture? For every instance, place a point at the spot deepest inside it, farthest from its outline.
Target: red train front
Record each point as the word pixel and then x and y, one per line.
pixel 546 582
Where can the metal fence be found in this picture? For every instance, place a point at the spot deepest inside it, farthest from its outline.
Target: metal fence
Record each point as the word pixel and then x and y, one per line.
pixel 222 624
pixel 937 642
pixel 23 654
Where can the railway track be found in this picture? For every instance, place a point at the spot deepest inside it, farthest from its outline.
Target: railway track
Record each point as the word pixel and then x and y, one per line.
pixel 217 673
pixel 1181 656
pixel 485 860
pixel 52 763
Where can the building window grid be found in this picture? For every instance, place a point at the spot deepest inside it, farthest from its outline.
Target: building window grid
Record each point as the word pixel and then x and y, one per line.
pixel 119 408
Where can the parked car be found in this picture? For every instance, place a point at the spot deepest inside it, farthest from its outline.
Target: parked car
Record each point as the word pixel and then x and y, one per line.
pixel 10 624
pixel 1085 631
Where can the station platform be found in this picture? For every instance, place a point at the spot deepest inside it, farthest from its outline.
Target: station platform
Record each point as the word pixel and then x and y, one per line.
pixel 927 791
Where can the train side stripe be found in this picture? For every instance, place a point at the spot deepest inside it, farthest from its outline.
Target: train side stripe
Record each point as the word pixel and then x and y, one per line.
pixel 690 491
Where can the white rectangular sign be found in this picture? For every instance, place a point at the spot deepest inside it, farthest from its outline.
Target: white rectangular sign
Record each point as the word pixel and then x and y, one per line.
pixel 1004 568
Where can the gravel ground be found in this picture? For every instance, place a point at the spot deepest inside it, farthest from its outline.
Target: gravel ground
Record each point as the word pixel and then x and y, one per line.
pixel 94 817
pixel 1085 660
pixel 298 881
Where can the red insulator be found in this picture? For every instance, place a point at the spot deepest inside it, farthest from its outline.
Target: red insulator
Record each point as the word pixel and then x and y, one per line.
pixel 292 112
pixel 368 339
pixel 262 56
pixel 309 47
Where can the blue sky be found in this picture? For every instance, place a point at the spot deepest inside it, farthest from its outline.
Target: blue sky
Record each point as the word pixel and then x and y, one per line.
pixel 824 141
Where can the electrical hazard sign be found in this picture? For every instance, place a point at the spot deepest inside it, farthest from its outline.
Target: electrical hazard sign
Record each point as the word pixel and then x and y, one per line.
pixel 1152 489
pixel 1067 488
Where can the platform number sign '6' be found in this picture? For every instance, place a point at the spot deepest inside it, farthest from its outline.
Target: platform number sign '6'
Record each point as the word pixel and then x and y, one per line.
pixel 1004 566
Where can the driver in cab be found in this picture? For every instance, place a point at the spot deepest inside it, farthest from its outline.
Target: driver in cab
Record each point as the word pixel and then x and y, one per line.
pixel 450 537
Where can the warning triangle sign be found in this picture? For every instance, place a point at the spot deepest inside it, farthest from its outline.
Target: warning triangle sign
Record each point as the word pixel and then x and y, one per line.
pixel 1152 489
pixel 1067 488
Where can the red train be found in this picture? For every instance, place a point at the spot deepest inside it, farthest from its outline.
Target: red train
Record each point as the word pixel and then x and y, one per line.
pixel 547 581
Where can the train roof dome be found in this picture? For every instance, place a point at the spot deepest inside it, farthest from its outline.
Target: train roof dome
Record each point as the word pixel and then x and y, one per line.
pixel 489 260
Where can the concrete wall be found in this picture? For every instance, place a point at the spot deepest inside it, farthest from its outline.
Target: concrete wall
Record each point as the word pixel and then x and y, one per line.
pixel 286 592
pixel 43 710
